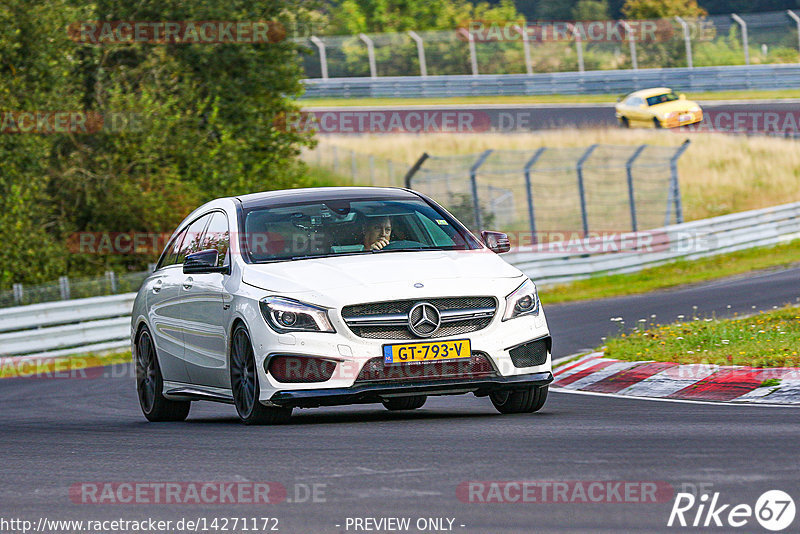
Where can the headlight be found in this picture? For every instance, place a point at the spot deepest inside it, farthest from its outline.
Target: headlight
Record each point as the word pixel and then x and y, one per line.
pixel 694 109
pixel 523 301
pixel 288 315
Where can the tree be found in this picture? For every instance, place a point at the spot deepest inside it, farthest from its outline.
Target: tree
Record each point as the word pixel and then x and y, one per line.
pixel 590 10
pixel 658 9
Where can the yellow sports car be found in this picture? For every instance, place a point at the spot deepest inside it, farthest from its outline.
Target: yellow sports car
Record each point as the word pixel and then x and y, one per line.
pixel 658 107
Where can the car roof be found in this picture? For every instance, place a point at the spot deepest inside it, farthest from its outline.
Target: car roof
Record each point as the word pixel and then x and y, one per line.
pixel 312 194
pixel 653 91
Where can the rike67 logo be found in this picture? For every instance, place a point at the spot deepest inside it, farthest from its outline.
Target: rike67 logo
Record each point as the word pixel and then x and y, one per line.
pixel 774 510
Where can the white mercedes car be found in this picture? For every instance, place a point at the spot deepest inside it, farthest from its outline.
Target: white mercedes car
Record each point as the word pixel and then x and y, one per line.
pixel 332 296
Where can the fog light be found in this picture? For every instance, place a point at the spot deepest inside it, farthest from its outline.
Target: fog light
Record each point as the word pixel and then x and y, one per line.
pixel 300 369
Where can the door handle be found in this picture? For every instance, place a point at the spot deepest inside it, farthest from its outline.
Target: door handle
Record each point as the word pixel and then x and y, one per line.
pixel 187 284
pixel 157 285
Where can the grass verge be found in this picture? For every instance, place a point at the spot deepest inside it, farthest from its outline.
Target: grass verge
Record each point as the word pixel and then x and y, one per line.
pixel 769 339
pixel 537 99
pixel 72 366
pixel 674 274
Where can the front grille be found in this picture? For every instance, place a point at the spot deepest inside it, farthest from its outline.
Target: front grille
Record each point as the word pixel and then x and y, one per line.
pixel 530 354
pixel 477 366
pixel 389 320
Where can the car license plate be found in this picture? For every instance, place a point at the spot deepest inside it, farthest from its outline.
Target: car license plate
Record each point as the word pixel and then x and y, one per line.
pixel 686 117
pixel 426 351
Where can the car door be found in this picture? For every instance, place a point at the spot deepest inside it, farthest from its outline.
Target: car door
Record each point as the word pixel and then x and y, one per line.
pixel 162 301
pixel 205 310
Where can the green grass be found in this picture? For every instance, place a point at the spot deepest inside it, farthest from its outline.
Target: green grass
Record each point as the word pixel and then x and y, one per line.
pixel 674 274
pixel 769 339
pixel 62 366
pixel 537 99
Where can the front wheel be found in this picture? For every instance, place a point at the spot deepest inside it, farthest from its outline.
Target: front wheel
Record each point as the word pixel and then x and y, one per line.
pixel 624 122
pixel 526 400
pixel 405 403
pixel 657 124
pixel 245 386
pixel 150 384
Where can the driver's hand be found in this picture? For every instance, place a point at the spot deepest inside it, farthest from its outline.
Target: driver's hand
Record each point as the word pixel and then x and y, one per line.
pixel 380 243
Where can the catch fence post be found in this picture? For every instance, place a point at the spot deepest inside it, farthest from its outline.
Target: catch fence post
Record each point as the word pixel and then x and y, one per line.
pixel 473 179
pixel 529 192
pixel 631 197
pixel 740 21
pixel 63 286
pixel 423 67
pixel 675 186
pixel 582 190
pixel 687 40
pixel 373 71
pixel 413 170
pixel 323 58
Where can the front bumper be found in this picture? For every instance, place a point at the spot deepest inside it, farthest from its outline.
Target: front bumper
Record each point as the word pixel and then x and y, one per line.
pixel 375 392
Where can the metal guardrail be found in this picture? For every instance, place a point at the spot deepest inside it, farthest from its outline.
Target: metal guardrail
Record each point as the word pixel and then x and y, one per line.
pixel 554 263
pixel 103 323
pixel 698 79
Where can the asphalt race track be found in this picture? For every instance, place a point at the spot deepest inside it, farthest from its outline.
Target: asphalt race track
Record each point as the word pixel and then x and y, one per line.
pixel 368 462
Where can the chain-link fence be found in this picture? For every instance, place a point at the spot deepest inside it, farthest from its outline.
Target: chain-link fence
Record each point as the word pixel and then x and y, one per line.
pixel 66 288
pixel 548 191
pixel 538 47
pixel 354 167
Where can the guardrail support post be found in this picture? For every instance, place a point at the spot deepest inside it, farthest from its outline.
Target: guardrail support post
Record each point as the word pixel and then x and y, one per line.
pixel 526 48
pixel 675 190
pixel 740 21
pixel 63 285
pixel 529 192
pixel 578 45
pixel 18 294
pixel 797 21
pixel 414 168
pixel 473 180
pixel 423 67
pixel 631 43
pixel 323 58
pixel 582 190
pixel 687 39
pixel 373 70
pixel 631 197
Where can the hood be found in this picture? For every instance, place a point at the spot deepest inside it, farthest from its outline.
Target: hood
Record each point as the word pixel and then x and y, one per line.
pixel 675 105
pixel 384 275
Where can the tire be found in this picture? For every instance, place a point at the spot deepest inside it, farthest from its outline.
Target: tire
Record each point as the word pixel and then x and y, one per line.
pixel 624 122
pixel 150 384
pixel 245 386
pixel 405 403
pixel 657 124
pixel 520 401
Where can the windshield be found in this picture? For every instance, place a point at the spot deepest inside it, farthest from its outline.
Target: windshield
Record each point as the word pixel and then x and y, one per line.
pixel 346 227
pixel 660 99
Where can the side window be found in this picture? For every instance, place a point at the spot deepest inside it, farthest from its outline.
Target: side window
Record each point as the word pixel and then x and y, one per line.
pixel 217 237
pixel 170 255
pixel 193 239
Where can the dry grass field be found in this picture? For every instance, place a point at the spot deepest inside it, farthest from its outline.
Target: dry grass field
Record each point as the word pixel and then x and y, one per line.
pixel 719 174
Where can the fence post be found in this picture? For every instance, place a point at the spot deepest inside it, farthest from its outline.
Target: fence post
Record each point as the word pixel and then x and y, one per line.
pixel 631 197
pixel 473 180
pixel 18 294
pixel 740 21
pixel 423 67
pixel 631 43
pixel 529 192
pixel 414 168
pixel 373 71
pixel 111 276
pixel 473 54
pixel 675 186
pixel 797 21
pixel 526 48
pixel 582 190
pixel 63 285
pixel 323 58
pixel 687 39
pixel 578 45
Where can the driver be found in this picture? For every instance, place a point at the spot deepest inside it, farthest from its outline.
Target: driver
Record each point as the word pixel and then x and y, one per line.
pixel 377 232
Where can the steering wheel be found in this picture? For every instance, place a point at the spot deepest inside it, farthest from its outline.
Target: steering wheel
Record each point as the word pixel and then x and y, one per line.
pixel 403 244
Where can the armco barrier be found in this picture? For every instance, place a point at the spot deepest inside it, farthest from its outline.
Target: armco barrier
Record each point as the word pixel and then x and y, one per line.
pixel 728 78
pixel 103 323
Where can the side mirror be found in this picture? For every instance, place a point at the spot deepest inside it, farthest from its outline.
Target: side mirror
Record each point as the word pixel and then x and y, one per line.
pixel 203 262
pixel 682 96
pixel 496 241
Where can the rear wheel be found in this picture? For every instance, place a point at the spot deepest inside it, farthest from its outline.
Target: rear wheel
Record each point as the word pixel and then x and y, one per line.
pixel 245 386
pixel 150 384
pixel 405 403
pixel 520 401
pixel 657 123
